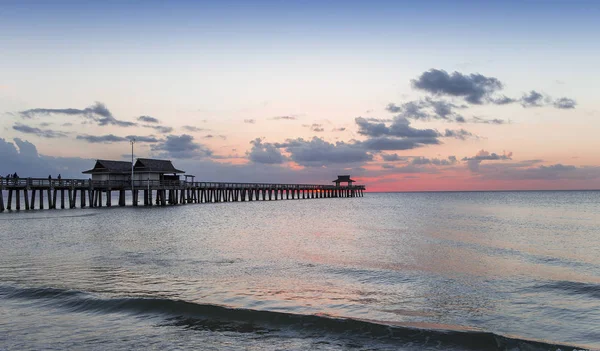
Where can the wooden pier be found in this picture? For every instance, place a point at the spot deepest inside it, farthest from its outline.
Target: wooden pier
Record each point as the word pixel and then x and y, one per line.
pixel 22 193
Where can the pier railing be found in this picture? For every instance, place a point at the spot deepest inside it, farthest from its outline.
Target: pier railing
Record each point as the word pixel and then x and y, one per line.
pixel 52 192
pixel 116 184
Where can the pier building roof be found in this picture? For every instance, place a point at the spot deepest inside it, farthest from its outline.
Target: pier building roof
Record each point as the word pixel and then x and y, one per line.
pixel 148 165
pixel 108 166
pixel 343 178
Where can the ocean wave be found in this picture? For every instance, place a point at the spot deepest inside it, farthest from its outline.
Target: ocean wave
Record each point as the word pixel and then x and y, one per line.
pixel 570 288
pixel 197 316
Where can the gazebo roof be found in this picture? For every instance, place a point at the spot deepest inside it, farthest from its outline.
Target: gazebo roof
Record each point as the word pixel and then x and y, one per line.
pixel 343 178
pixel 108 166
pixel 155 166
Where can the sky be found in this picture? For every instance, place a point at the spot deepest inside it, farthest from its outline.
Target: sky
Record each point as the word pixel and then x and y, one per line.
pixel 402 95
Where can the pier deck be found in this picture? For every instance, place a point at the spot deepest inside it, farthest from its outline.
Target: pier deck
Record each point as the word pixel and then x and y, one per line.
pixel 64 192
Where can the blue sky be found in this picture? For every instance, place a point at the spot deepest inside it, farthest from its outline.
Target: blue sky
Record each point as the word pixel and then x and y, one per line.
pixel 214 65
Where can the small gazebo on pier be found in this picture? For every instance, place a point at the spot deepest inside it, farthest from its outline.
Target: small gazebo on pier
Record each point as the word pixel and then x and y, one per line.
pixel 343 179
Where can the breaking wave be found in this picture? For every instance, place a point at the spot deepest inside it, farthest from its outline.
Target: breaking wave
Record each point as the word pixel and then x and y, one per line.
pixel 196 316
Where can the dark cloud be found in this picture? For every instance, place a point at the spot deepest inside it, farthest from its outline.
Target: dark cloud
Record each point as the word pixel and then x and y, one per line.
pixel 411 109
pixel 318 152
pixel 391 157
pixel 503 100
pixel 385 143
pixel 265 153
pixel 181 147
pixel 460 119
pixel 426 109
pixel 400 127
pixel 474 162
pixel 44 133
pixel 22 157
pixel 532 99
pixel 192 129
pixel 341 129
pixel 290 118
pixel 564 103
pixel 111 138
pixel 250 121
pixel 399 135
pixel 148 119
pixel 97 113
pixel 458 134
pixel 474 88
pixel 208 136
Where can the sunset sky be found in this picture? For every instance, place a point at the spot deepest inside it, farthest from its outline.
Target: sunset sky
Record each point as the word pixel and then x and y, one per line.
pixel 404 96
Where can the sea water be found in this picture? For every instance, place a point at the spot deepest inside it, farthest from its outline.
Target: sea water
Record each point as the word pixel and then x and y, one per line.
pixel 389 271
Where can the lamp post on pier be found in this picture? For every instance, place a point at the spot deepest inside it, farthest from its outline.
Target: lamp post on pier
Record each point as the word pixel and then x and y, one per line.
pixel 132 141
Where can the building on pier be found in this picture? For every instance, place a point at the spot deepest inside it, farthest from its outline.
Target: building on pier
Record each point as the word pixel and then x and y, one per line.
pixel 107 170
pixel 151 169
pixel 343 179
pixel 144 169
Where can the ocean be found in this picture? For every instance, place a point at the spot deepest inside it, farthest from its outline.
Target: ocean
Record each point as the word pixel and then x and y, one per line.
pixel 389 271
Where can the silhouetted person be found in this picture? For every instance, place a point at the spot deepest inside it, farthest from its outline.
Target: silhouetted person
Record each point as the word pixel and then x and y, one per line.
pixel 16 176
pixel 59 179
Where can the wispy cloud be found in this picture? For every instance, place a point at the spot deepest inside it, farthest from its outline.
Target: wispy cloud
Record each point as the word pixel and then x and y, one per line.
pixel 44 133
pixel 97 113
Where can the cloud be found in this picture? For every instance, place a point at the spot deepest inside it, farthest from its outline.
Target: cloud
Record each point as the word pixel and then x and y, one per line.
pixel 98 113
pixel 148 119
pixel 289 118
pixel 458 134
pixel 391 157
pixel 426 109
pixel 385 143
pixel 400 127
pixel 182 147
pixel 564 103
pixel 340 129
pixel 474 88
pixel 315 127
pixel 44 133
pixel 26 161
pixel 192 129
pixel 528 170
pixel 111 138
pixel 451 160
pixel 503 100
pixel 265 153
pixel 160 129
pixel 250 121
pixel 487 121
pixel 318 152
pixel 532 99
pixel 474 162
pixel 411 109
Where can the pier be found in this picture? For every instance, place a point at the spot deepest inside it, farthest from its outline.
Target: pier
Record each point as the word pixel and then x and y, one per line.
pixel 40 193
